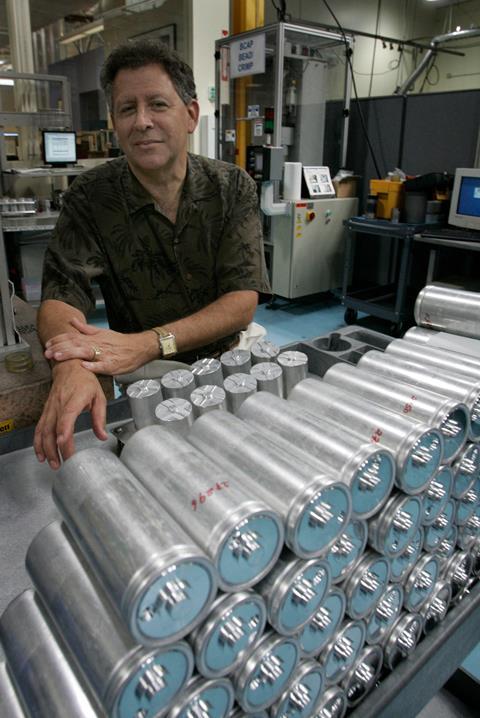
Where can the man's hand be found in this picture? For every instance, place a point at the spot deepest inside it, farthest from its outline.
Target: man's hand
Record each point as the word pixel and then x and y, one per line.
pixel 74 389
pixel 102 351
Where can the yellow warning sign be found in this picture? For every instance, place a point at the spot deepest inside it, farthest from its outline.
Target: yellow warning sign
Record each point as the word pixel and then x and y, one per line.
pixel 6 425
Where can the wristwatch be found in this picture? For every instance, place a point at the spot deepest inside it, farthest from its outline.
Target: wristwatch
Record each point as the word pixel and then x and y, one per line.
pixel 166 342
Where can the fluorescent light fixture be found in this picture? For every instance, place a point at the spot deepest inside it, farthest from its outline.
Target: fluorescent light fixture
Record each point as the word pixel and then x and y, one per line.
pixel 10 134
pixel 91 29
pixel 142 5
pixel 5 81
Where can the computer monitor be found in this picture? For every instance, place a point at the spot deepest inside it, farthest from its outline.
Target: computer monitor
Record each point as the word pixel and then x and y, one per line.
pixel 465 201
pixel 59 147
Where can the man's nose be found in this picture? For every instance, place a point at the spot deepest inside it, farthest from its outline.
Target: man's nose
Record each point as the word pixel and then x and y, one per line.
pixel 143 119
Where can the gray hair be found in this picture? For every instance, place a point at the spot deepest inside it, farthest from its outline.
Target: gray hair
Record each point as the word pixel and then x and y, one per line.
pixel 133 55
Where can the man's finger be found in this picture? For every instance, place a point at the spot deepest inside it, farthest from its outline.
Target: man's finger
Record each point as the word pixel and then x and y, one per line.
pixel 83 327
pixel 99 417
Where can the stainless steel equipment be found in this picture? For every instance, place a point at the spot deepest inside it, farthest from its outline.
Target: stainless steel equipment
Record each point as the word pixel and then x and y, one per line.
pixel 45 679
pixel 454 342
pixel 125 677
pixel 436 495
pixel 435 608
pixel 176 414
pixel 207 371
pixel 303 692
pixel 9 700
pixel 444 413
pixel 178 383
pixel 366 583
pixel 235 623
pixel 420 582
pixel 294 367
pixel 318 631
pixel 347 549
pixel 402 563
pixel 394 527
pixel 418 449
pixel 453 310
pixel 368 470
pixel 363 675
pixel 242 535
pixel 264 351
pixel 443 359
pixel 402 639
pixel 143 397
pixel 384 614
pixel 439 529
pixel 204 698
pixel 207 398
pixel 238 387
pixel 314 507
pixel 269 376
pixel 235 361
pixel 164 584
pixel 342 650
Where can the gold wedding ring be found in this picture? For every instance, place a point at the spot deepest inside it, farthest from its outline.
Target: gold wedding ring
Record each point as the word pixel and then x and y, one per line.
pixel 97 353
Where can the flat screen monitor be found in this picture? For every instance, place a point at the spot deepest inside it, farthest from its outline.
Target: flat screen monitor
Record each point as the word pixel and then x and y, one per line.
pixel 465 201
pixel 59 148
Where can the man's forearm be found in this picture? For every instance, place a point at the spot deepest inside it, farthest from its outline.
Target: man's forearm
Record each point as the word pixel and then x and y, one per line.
pixel 54 317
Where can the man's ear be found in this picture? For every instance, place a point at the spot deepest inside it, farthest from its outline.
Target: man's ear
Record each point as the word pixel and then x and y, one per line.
pixel 193 109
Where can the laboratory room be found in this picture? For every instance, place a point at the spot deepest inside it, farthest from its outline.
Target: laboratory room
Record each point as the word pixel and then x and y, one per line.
pixel 239 358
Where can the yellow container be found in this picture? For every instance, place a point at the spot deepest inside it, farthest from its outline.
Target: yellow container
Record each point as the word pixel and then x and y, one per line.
pixel 389 194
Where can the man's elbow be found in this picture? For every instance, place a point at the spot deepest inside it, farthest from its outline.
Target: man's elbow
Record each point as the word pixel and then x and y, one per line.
pixel 250 304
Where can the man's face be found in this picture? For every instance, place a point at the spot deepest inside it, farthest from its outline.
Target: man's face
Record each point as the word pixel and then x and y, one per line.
pixel 151 121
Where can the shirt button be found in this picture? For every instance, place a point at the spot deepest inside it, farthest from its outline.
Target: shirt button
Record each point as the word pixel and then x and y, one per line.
pixel 188 276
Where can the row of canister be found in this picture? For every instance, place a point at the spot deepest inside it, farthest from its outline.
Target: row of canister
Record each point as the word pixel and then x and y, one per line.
pixel 9 205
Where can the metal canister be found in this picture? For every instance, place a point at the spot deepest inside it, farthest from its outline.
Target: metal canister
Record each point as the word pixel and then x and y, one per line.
pixel 33 650
pixel 444 413
pixel 450 309
pixel 295 368
pixel 235 623
pixel 10 705
pixel 441 359
pixel 470 531
pixel 466 470
pixel 347 549
pixel 241 534
pixel 293 591
pixel 474 551
pixel 447 546
pixel 367 469
pixel 235 361
pixel 206 698
pixel 436 495
pixel 391 530
pixel 402 639
pixel 440 528
pixel 385 613
pixel 418 449
pixel 435 608
pixel 163 585
pixel 323 624
pixel 402 563
pixel 269 376
pixel 178 383
pixel 207 371
pixel 237 712
pixel 421 581
pixel 342 650
pixel 363 675
pixel 366 583
pixel 238 387
pixel 302 693
pixel 175 414
pixel 266 672
pixel 125 677
pixel 465 507
pixel 332 704
pixel 457 571
pixel 207 398
pixel 314 507
pixel 457 387
pixel 445 340
pixel 264 351
pixel 143 397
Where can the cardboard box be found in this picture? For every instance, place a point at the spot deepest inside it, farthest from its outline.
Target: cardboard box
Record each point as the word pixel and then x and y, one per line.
pixel 347 186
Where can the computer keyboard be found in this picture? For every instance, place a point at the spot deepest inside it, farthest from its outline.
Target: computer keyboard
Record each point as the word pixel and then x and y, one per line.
pixel 457 233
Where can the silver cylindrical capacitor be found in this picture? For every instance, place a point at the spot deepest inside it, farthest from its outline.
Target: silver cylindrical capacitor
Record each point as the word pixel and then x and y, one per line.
pixel 204 698
pixel 126 678
pixel 466 506
pixel 342 650
pixel 235 623
pixel 448 545
pixel 314 507
pixel 293 591
pixel 385 613
pixel 235 361
pixel 266 672
pixel 241 534
pixel 391 530
pixel 435 608
pixel 269 376
pixel 143 397
pixel 474 551
pixel 368 470
pixel 10 705
pixel 402 639
pixel 318 631
pixel 466 470
pixel 421 581
pixel 436 495
pixel 470 531
pixel 237 712
pixel 418 449
pixel 207 371
pixel 175 414
pixel 294 367
pixel 238 387
pixel 448 308
pixel 458 387
pixel 442 359
pixel 332 704
pixel 366 583
pixel 438 530
pixel 177 383
pixel 40 666
pixel 445 340
pixel 347 549
pixel 164 584
pixel 441 412
pixel 302 693
pixel 361 678
pixel 207 398
pixel 402 563
pixel 264 351
pixel 457 571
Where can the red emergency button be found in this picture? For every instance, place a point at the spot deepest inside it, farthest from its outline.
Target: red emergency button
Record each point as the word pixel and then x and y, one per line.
pixel 311 216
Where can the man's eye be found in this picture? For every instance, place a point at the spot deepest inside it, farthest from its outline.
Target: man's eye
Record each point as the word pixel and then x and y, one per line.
pixel 159 105
pixel 126 109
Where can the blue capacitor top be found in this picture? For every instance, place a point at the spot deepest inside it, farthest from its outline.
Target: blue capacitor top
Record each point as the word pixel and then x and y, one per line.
pixel 423 460
pixel 271 675
pixel 440 528
pixel 436 495
pixel 303 597
pixel 363 596
pixel 465 470
pixel 402 563
pixel 345 551
pixel 323 624
pixel 421 582
pixel 344 650
pixel 302 694
pixel 372 483
pixel 385 614
pixel 454 430
pixel 322 520
pixel 403 526
pixel 217 695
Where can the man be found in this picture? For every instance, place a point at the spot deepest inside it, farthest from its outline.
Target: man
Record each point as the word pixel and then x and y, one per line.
pixel 174 241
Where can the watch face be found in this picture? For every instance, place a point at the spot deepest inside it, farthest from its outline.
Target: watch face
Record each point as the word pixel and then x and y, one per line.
pixel 169 345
